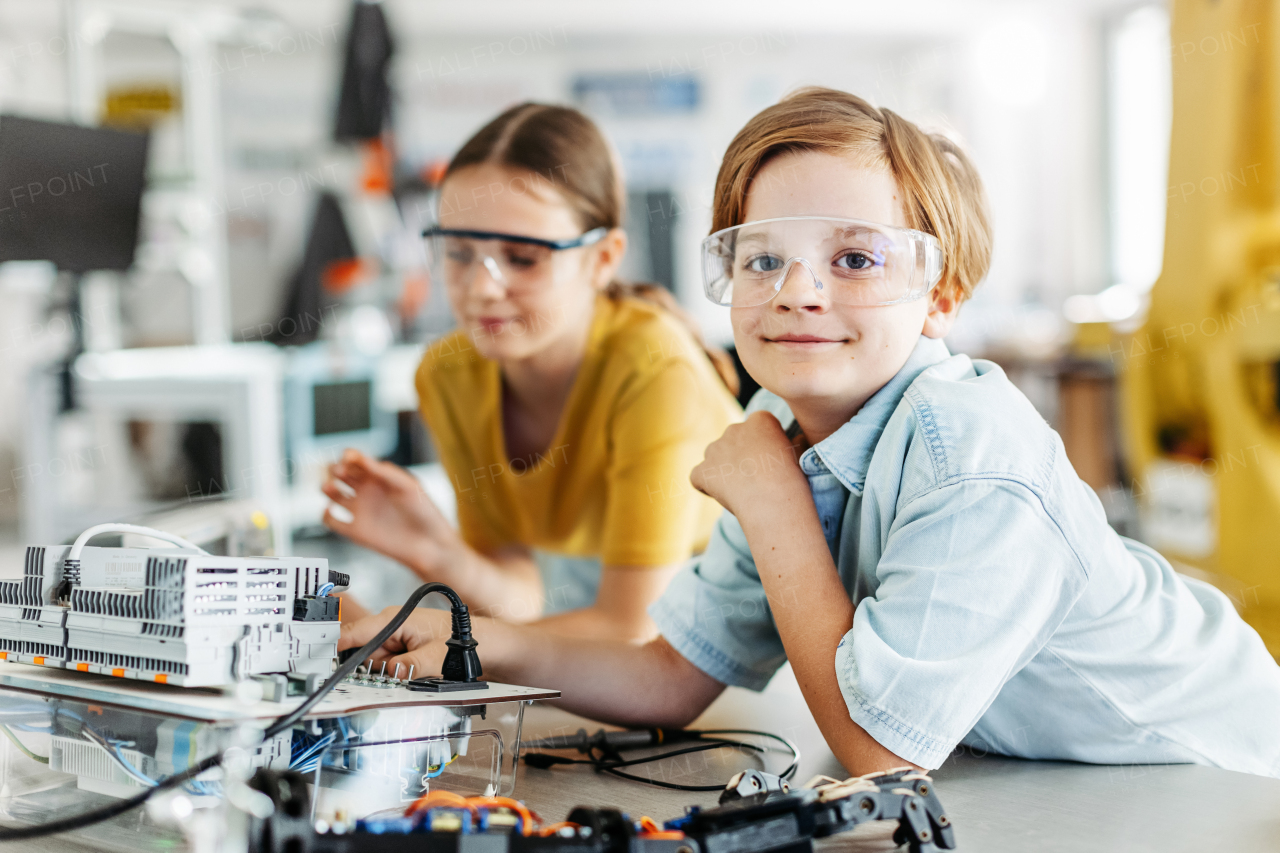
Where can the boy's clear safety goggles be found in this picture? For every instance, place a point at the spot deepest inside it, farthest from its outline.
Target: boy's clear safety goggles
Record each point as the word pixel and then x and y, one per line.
pixel 848 260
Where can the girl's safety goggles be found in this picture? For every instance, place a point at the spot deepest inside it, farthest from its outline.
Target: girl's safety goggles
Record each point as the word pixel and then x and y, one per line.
pixel 847 260
pixel 518 263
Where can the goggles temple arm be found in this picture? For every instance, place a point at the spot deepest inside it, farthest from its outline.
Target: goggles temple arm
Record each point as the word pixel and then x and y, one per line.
pixel 595 235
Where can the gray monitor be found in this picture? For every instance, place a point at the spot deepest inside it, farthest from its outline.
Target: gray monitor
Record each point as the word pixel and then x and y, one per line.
pixel 70 194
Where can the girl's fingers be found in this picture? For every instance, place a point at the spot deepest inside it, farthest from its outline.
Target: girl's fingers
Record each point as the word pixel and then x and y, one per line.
pixel 352 467
pixel 366 465
pixel 352 610
pixel 338 518
pixel 387 473
pixel 425 662
pixel 418 662
pixel 350 475
pixel 338 492
pixel 361 631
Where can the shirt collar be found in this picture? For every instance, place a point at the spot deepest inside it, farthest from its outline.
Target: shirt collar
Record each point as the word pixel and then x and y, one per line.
pixel 847 451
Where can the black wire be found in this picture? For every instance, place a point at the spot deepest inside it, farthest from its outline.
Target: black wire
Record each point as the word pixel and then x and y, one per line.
pixel 89 818
pixel 611 767
pixel 604 764
pixel 791 769
pixel 359 657
pixel 702 747
pixel 675 786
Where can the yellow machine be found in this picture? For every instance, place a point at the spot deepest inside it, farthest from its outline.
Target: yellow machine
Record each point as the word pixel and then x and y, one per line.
pixel 1199 379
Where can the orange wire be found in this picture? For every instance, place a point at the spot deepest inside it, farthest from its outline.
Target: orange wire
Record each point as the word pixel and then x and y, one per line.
pixel 527 817
pixel 556 827
pixel 650 829
pixel 431 799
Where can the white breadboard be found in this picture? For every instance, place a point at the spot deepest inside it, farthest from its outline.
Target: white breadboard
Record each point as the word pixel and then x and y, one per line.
pixel 218 706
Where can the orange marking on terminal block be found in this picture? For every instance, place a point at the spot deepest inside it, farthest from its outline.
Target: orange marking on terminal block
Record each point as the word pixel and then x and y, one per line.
pixel 82 667
pixel 118 673
pixel 4 655
pixel 161 678
pixel 38 661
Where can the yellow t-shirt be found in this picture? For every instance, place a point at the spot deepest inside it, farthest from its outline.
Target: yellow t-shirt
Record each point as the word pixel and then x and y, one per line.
pixel 614 482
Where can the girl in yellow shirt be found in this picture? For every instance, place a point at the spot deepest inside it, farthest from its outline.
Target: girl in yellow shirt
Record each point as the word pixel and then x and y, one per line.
pixel 567 409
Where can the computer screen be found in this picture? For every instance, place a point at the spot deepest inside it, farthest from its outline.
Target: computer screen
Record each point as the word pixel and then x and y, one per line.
pixel 341 406
pixel 70 194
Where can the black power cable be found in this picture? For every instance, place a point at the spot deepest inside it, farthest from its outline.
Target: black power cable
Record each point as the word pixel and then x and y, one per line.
pixel 461 657
pixel 609 761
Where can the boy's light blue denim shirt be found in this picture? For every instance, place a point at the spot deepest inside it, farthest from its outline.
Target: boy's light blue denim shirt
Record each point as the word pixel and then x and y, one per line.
pixel 994 606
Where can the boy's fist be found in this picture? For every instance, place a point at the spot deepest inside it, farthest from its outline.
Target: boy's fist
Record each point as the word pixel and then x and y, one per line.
pixel 752 463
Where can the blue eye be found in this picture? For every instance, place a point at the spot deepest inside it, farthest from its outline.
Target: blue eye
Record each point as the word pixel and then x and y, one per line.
pixel 763 263
pixel 858 261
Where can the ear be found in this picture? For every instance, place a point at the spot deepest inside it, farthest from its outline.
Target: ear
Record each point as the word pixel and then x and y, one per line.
pixel 608 255
pixel 943 308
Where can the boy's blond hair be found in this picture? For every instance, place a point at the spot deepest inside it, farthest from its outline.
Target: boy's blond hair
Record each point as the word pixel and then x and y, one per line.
pixel 944 195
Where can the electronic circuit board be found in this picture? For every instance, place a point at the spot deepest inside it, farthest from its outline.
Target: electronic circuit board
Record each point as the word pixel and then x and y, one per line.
pixel 226 706
pixel 751 818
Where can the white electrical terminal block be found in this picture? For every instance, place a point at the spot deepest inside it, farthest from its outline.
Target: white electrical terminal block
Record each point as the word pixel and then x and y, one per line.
pixel 170 615
pixel 107 767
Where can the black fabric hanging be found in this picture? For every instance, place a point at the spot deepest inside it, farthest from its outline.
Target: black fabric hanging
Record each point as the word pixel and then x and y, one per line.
pixel 365 100
pixel 328 241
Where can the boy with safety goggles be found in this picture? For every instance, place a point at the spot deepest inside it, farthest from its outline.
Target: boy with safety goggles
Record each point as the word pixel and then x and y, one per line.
pixel 901 524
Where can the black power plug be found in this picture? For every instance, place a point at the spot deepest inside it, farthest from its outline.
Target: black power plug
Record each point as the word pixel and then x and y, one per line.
pixel 461 669
pixel 461 663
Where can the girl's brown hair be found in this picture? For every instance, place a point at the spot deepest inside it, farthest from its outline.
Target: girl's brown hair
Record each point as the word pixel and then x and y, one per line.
pixel 944 195
pixel 563 148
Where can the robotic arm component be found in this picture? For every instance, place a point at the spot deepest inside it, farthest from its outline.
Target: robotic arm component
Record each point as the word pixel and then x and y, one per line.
pixel 757 814
pixel 823 807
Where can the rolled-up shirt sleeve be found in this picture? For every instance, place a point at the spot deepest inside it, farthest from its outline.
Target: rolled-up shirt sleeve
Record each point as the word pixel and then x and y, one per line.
pixel 716 614
pixel 973 580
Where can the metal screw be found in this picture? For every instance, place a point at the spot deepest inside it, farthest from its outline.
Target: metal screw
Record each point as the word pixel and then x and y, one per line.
pixel 396 675
pixel 382 673
pixel 410 677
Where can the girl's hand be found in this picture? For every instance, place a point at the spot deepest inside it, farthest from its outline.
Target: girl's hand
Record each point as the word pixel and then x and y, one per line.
pixel 751 464
pixel 390 514
pixel 419 642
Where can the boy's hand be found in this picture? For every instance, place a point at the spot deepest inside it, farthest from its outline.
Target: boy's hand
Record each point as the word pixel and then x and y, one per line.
pixel 750 465
pixel 419 642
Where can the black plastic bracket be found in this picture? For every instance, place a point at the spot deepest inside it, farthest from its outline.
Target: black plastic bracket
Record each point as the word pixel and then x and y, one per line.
pixel 444 685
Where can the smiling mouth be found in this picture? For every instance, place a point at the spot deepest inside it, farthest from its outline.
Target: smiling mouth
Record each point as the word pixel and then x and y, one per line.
pixel 804 339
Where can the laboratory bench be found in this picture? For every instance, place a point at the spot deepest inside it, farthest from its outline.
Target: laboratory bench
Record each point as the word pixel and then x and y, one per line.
pixel 995 803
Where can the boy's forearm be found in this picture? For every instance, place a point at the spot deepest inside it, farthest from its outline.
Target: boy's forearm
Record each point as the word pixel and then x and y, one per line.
pixel 611 681
pixel 597 623
pixel 813 611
